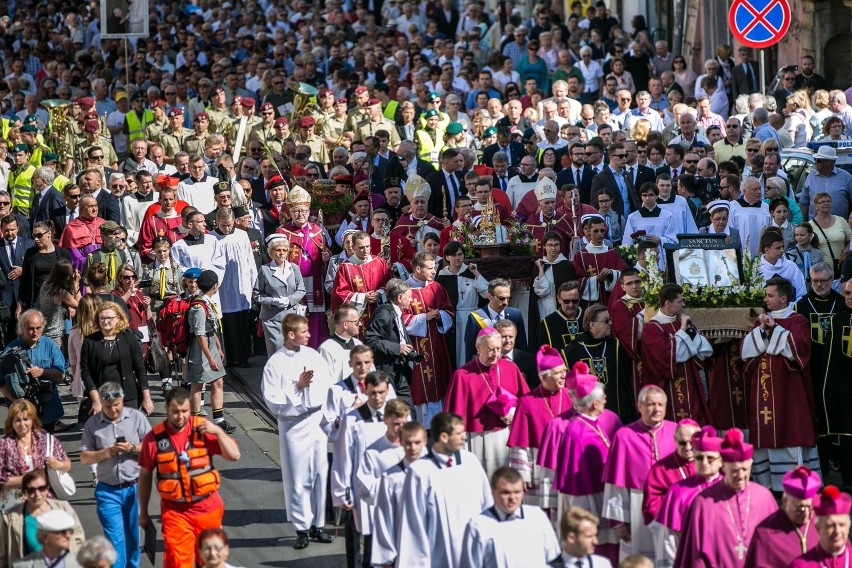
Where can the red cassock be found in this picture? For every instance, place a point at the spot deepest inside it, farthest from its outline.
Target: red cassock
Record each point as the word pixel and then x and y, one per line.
pixel 154 208
pixel 353 279
pixel 680 380
pixel 625 328
pixel 781 403
pixel 727 385
pixel 538 226
pixel 776 542
pixel 588 265
pixel 430 377
pixel 408 227
pixel 400 249
pixel 155 226
pixel 661 477
pixel 473 384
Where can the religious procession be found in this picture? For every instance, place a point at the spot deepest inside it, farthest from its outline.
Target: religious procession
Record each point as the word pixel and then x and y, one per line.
pixel 512 284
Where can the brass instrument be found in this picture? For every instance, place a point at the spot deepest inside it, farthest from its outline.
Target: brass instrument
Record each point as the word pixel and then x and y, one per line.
pixel 302 104
pixel 59 123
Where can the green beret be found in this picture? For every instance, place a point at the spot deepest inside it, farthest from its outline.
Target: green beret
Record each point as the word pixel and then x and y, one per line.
pixel 454 128
pixel 430 113
pixel 490 131
pixel 29 128
pixel 50 158
pixel 30 119
pixel 20 148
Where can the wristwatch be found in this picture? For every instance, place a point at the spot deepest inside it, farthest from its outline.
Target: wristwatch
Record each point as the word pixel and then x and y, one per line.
pixel 132 448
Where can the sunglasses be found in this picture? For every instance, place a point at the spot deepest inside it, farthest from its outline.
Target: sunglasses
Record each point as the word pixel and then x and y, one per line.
pixel 39 489
pixel 39 235
pixel 74 195
pixel 111 395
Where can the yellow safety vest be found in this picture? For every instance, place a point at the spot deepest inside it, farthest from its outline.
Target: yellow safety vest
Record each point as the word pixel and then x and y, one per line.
pixel 4 125
pixel 37 156
pixel 390 110
pixel 60 181
pixel 21 185
pixel 136 129
pixel 428 150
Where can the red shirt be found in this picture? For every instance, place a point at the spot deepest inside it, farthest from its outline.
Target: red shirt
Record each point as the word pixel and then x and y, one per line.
pixel 180 440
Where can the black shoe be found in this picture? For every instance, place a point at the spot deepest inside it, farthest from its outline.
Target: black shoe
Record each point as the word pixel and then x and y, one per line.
pixel 167 386
pixel 320 535
pixel 301 540
pixel 226 426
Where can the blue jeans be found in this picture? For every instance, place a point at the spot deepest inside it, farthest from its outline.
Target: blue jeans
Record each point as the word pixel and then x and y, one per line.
pixel 118 511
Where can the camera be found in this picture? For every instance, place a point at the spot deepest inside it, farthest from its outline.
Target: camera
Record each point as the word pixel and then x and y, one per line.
pixel 15 364
pixel 414 357
pixel 707 188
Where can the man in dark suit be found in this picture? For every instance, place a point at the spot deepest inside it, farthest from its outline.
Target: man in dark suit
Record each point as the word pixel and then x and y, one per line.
pixel 447 18
pixel 523 359
pixel 744 77
pixel 446 184
pixel 108 207
pixel 578 169
pixel 46 198
pixel 497 309
pixel 637 173
pixel 390 341
pixel 61 216
pixel 514 150
pixel 618 186
pixel 15 244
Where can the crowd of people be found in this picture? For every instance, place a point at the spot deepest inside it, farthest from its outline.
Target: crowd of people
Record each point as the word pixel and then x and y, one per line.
pixel 307 183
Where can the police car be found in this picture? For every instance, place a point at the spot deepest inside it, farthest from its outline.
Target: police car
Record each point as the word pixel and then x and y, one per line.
pixel 798 162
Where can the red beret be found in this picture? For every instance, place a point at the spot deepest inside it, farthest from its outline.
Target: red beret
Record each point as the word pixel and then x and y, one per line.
pixel 91 126
pixel 247 102
pixel 176 111
pixel 267 106
pixel 307 121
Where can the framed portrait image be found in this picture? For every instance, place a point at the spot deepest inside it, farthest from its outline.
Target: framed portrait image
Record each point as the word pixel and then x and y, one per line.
pixel 124 19
pixel 704 260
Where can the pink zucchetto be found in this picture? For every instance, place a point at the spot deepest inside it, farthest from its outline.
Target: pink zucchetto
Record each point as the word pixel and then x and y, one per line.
pixel 486 331
pixel 548 358
pixel 705 440
pixel 584 381
pixel 832 501
pixel 801 483
pixel 734 448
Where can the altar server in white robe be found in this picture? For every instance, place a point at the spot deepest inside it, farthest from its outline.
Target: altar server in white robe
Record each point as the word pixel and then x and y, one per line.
pixel 668 200
pixel 774 262
pixel 236 286
pixel 442 492
pixel 659 225
pixel 509 533
pixel 200 250
pixel 295 384
pixel 360 427
pixel 466 287
pixel 412 438
pixel 749 215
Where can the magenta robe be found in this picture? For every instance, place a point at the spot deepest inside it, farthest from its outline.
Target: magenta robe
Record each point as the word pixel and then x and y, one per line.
pixel 709 539
pixel 472 386
pixel 535 409
pixel 577 453
pixel 679 497
pixel 776 542
pixel 634 450
pixel 817 557
pixel 662 475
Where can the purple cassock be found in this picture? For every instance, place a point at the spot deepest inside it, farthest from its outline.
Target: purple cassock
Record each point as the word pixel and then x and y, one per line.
pixel 819 558
pixel 776 542
pixel 635 448
pixel 680 496
pixel 576 450
pixel 719 526
pixel 663 474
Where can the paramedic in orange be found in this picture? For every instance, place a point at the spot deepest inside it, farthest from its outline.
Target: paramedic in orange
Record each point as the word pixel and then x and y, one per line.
pixel 179 452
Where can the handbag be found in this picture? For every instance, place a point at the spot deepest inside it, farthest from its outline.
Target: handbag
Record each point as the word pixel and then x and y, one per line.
pixel 60 481
pixel 157 360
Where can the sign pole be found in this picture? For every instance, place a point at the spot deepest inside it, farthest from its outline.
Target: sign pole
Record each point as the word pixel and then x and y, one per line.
pixel 762 72
pixel 759 24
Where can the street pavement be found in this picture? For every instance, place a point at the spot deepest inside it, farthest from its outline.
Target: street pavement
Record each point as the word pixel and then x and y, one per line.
pixel 251 488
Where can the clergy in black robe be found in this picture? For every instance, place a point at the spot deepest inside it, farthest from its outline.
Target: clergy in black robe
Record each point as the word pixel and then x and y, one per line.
pixel 836 394
pixel 607 360
pixel 556 270
pixel 564 325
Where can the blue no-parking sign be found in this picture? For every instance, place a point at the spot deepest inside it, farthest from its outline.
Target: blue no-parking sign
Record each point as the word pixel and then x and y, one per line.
pixel 759 23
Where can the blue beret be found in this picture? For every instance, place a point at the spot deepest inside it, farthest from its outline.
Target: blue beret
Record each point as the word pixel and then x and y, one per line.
pixel 192 273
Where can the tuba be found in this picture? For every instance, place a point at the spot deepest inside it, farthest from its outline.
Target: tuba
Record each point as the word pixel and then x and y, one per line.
pixel 302 104
pixel 59 123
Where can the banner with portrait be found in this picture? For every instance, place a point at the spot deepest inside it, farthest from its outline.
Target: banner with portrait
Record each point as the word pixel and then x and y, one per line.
pixel 122 19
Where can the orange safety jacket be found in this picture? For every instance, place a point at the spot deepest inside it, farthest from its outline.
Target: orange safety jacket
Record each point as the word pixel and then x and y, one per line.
pixel 187 476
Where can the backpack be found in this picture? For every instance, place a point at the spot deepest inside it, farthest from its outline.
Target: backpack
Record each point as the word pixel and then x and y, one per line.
pixel 172 322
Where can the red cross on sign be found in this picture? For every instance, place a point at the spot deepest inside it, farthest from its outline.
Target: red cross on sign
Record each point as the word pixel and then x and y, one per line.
pixel 759 23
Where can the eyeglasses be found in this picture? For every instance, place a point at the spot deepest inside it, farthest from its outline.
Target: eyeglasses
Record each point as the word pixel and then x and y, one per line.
pixel 822 161
pixel 569 301
pixel 622 156
pixel 820 280
pixel 101 157
pixel 789 78
pixel 5 203
pixel 107 318
pixel 39 235
pixel 690 161
pixel 74 195
pixel 128 277
pixel 684 443
pixel 112 395
pixel 607 321
pixel 751 150
pixel 502 298
pixel 732 126
pixel 704 457
pixel 39 489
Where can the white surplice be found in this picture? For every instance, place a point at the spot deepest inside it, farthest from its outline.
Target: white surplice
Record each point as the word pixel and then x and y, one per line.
pixel 526 539
pixel 239 272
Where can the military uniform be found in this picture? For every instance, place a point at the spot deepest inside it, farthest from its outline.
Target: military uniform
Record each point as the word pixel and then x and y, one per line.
pixel 353 118
pixel 261 133
pixel 333 127
pixel 319 153
pixel 154 130
pixel 368 128
pixel 218 119
pixel 195 143
pixel 104 144
pixel 173 142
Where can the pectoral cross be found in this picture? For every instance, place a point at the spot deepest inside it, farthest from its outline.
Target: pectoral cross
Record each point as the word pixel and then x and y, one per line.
pixel 359 283
pixel 738 395
pixel 767 416
pixel 741 549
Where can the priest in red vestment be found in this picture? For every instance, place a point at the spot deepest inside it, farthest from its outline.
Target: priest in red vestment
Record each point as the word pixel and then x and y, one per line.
pixel 726 383
pixel 427 319
pixel 576 446
pixel 535 409
pixel 485 392
pixel 83 234
pixel 832 509
pixel 677 466
pixel 164 223
pixel 461 216
pixel 546 220
pixel 782 424
pixel 635 448
pixel 628 317
pixel 673 351
pixel 393 247
pixel 361 281
pixel 719 526
pixel 419 221
pixel 309 250
pixel 789 532
pixel 597 265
